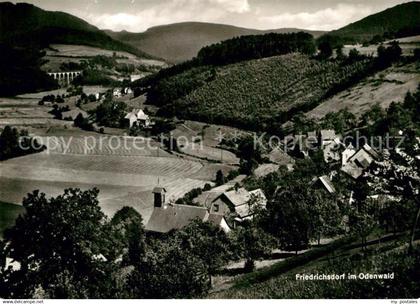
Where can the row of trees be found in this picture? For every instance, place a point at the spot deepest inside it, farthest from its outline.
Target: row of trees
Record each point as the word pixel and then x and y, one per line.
pixel 256 46
pixel 20 71
pixel 14 143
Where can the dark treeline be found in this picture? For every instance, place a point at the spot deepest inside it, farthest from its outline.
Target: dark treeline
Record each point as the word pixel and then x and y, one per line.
pixel 20 71
pixel 255 47
pixel 340 40
pixel 14 143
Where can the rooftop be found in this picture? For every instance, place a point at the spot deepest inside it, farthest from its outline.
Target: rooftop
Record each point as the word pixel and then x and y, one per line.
pixel 173 217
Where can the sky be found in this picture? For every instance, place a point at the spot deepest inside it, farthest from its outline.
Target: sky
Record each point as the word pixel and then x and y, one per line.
pixel 139 15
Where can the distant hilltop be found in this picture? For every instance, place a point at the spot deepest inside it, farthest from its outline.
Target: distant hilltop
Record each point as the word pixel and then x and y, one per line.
pixel 181 41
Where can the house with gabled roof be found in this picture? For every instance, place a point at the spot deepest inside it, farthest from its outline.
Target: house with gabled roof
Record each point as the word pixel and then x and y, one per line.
pixel 167 217
pixel 239 202
pixel 348 152
pixel 139 118
pixel 360 161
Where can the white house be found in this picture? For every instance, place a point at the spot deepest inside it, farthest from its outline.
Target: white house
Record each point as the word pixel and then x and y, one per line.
pixel 117 92
pixel 138 117
pixel 347 154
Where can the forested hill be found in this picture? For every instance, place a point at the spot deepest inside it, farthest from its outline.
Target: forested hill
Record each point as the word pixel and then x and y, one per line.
pixel 236 50
pixel 258 82
pixel 399 21
pixel 29 26
pixel 181 41
pixel 258 94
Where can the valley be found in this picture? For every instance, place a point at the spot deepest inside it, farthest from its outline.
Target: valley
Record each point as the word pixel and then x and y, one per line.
pixel 75 158
pixel 204 160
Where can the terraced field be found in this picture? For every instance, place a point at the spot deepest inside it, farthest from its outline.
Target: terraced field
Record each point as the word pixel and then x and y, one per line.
pixel 102 145
pixel 390 85
pixel 123 179
pixel 206 152
pixel 209 136
pixel 20 112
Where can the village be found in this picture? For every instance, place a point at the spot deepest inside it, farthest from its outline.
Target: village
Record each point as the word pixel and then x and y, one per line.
pixel 143 159
pixel 227 204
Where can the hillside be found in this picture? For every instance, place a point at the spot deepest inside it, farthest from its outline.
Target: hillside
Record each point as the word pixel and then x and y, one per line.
pixel 256 94
pixel 383 256
pixel 383 88
pixel 399 21
pixel 27 25
pixel 182 41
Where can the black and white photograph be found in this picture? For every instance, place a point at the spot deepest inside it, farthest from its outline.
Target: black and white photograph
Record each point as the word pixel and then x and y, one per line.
pixel 210 150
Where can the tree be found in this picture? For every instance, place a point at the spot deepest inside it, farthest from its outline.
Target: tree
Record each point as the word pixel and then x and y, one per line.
pixel 168 272
pixel 394 214
pixel 207 242
pixel 220 178
pixel 128 229
pixel 354 55
pixel 111 113
pixel 361 223
pixel 9 142
pixel 416 54
pixel 288 216
pixel 361 219
pixel 14 143
pixel 339 52
pixel 250 154
pixel 340 121
pixel 325 50
pixel 326 216
pixel 253 243
pixel 65 239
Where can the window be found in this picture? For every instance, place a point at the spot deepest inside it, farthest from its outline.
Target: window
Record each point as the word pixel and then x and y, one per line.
pixel 216 208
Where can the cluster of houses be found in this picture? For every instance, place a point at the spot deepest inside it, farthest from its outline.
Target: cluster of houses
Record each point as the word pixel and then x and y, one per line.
pixel 119 92
pixel 354 161
pixel 223 206
pixel 235 203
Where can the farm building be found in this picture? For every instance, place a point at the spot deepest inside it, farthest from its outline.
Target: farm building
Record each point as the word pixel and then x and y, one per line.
pixel 330 145
pixel 347 154
pixel 207 198
pixel 239 202
pixel 331 151
pixel 167 216
pixel 139 118
pixel 360 161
